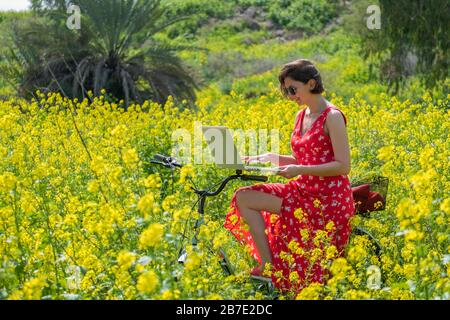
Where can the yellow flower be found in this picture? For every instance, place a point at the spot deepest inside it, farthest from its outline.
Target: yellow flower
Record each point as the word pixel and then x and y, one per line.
pixel 147 282
pixel 278 275
pixel 317 203
pixel 401 294
pixel 169 202
pixel 300 251
pixel 115 177
pixel 186 171
pixel 234 218
pixel 153 181
pixel 32 290
pixel 294 277
pixel 445 206
pixel 49 190
pixel 7 181
pixel 353 294
pixel 126 259
pixel 27 202
pixel 181 214
pixel 151 236
pixel 339 266
pixel 385 153
pixel 304 234
pixel 273 218
pixel 267 270
pixel 206 232
pixel 331 252
pixel 130 158
pixel 298 213
pixel 167 295
pixel 329 226
pixel 355 221
pixel 413 235
pixel 409 270
pixel 99 165
pixel 70 219
pixel 146 204
pixel 316 254
pixel 440 220
pixel 286 256
pixel 192 262
pixel 356 253
pixel 311 292
pixel 293 246
pixel 93 186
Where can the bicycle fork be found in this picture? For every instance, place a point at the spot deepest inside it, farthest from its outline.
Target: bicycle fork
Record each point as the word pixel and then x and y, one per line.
pixel 182 257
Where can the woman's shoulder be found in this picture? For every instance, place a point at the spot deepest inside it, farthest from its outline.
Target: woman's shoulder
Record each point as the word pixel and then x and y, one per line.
pixel 335 112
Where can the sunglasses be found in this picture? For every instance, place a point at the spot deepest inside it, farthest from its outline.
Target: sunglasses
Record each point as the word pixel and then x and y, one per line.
pixel 290 91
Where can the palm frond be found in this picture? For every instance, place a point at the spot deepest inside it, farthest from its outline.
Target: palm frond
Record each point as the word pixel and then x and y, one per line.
pixel 107 53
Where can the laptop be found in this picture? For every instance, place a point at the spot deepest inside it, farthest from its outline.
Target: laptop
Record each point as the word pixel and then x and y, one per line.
pixel 224 151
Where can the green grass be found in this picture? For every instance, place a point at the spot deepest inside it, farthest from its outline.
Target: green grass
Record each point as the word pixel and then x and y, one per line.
pixel 236 58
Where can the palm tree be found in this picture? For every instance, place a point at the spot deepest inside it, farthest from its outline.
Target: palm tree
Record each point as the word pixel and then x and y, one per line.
pixel 115 49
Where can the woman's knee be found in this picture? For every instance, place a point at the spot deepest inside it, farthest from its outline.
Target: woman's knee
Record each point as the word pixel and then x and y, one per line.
pixel 241 196
pixel 258 200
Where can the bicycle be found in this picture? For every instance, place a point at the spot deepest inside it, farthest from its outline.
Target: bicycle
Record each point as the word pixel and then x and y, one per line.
pixel 172 164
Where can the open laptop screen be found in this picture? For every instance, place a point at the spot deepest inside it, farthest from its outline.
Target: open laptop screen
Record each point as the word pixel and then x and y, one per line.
pixel 223 150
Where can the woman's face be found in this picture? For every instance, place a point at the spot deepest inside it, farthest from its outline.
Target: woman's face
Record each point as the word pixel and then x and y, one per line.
pixel 297 90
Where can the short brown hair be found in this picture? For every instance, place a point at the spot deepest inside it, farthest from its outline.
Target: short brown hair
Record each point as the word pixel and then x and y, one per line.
pixel 301 70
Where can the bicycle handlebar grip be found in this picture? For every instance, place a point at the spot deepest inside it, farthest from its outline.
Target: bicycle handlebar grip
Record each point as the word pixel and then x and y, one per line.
pixel 173 162
pixel 256 178
pixel 160 157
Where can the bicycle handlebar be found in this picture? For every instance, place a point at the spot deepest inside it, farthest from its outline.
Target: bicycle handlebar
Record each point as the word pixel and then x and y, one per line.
pixel 171 162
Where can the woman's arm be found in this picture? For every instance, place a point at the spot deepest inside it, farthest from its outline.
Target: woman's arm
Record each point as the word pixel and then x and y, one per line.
pixel 274 158
pixel 283 160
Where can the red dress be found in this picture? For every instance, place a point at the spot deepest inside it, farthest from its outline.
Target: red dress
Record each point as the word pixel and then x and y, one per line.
pixel 321 199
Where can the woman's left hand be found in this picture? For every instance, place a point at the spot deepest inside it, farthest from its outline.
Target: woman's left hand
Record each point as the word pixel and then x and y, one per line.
pixel 289 171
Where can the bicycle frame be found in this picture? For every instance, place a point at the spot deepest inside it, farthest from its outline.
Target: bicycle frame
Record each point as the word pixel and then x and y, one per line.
pixel 172 163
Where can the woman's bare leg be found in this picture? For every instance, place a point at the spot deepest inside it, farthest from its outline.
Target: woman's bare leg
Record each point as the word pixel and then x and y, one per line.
pixel 250 203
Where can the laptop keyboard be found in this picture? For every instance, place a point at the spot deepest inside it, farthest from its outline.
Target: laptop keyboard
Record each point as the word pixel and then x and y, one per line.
pixel 256 168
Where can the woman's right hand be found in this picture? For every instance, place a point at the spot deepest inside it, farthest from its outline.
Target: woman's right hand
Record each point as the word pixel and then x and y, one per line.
pixel 262 158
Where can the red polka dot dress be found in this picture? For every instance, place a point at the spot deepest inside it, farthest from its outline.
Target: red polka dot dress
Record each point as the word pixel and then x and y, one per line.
pixel 309 204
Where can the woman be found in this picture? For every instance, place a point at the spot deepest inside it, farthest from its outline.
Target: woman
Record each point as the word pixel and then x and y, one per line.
pixel 275 212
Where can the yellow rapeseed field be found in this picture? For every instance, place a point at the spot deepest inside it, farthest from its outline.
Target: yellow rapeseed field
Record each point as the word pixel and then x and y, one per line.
pixel 83 217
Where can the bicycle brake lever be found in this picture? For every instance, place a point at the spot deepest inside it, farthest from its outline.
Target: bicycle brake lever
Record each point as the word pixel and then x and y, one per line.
pixel 160 157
